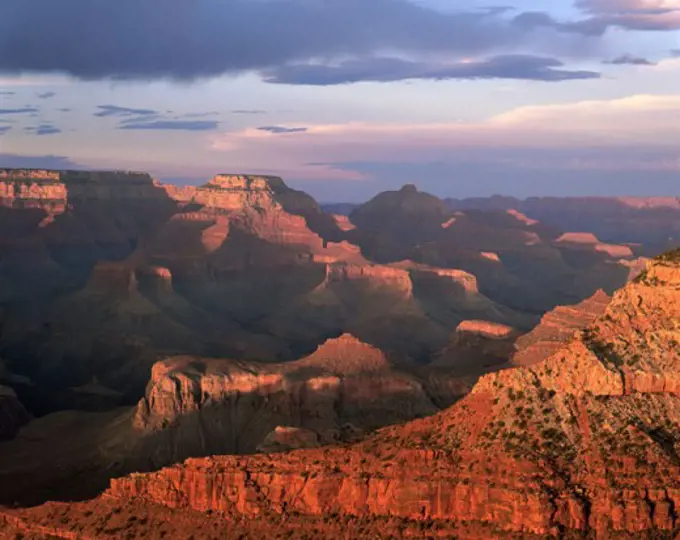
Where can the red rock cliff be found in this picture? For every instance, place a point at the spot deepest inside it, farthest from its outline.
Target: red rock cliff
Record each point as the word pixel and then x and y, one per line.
pixel 584 441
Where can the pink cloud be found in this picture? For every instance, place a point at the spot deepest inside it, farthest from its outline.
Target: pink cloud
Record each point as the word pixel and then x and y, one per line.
pixel 636 14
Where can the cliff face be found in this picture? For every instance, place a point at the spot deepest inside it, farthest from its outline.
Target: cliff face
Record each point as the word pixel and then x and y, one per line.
pixel 113 269
pixel 55 225
pixel 558 327
pixel 585 441
pixel 342 390
pixel 518 261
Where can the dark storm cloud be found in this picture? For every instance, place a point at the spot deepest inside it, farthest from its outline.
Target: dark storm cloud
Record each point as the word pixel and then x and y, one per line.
pixel 115 110
pixel 47 95
pixel 185 40
pixel 282 129
pixel 20 110
pixel 44 129
pixel 628 59
pixel 391 69
pixel 171 125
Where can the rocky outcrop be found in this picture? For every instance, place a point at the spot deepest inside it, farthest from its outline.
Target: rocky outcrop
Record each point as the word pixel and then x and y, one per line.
pixel 288 438
pixel 589 241
pixel 475 348
pixel 342 390
pixel 557 327
pixel 584 442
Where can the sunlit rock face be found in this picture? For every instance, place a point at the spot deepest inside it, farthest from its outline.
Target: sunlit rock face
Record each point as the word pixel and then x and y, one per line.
pixel 343 389
pixel 581 442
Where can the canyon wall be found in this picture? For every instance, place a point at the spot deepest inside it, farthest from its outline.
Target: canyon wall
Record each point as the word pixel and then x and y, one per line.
pixel 584 441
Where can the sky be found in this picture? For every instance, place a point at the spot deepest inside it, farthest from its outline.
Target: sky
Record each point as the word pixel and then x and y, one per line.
pixel 346 98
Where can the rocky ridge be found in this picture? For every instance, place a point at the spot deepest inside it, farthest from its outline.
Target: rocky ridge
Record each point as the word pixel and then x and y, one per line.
pixel 648 225
pixel 343 389
pixel 558 327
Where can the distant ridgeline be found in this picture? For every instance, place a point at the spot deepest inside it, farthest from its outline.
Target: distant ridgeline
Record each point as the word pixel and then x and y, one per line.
pixel 37 176
pixel 38 187
pixel 51 177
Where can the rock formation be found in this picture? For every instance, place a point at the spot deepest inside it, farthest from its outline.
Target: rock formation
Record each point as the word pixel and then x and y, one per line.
pixel 558 327
pixel 342 390
pixel 583 442
pixel 518 261
pixel 115 270
pixel 231 295
pixel 649 225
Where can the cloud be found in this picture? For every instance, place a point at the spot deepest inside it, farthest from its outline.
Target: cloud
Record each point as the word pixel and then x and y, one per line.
pixel 391 69
pixel 634 134
pixel 675 53
pixel 4 129
pixel 47 95
pixel 170 125
pixel 630 60
pixel 248 111
pixel 199 114
pixel 126 40
pixel 282 129
pixel 20 110
pixel 153 120
pixel 7 93
pixel 115 110
pixel 48 161
pixel 646 15
pixel 44 129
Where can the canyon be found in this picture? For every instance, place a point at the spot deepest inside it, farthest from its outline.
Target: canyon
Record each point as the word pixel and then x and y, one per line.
pixel 461 367
pixel 581 443
pixel 651 225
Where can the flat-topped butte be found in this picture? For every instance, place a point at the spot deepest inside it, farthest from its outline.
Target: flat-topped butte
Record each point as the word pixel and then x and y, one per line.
pixel 244 182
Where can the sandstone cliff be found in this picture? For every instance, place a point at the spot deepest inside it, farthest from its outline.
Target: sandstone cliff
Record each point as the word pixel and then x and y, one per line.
pixel 585 441
pixel 342 390
pixel 557 327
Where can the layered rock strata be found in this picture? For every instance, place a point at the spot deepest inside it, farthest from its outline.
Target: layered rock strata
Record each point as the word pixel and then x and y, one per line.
pixel 585 441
